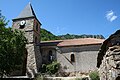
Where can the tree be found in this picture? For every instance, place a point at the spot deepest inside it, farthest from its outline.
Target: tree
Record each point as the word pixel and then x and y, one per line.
pixel 12 48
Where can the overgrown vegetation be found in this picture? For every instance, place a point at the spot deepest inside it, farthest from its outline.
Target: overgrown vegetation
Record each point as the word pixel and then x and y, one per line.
pixel 47 35
pixel 94 75
pixel 51 68
pixel 12 48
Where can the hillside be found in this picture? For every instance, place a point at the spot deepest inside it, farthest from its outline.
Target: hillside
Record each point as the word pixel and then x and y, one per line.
pixel 69 36
pixel 47 35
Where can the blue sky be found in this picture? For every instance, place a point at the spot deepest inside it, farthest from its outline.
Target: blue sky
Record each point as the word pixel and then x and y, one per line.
pixel 70 16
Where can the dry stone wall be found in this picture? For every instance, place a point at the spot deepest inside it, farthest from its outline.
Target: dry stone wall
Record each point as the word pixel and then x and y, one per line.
pixel 110 67
pixel 108 60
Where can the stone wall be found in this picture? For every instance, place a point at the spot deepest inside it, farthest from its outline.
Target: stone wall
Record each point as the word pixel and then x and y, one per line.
pixel 28 29
pixel 85 58
pixel 108 60
pixel 33 60
pixel 110 67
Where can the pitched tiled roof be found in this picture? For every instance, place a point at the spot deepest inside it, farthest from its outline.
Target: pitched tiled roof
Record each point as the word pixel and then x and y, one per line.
pixel 76 42
pixel 27 12
pixel 82 41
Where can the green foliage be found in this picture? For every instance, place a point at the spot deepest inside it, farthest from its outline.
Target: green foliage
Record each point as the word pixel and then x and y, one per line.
pixel 3 21
pixel 51 68
pixel 12 49
pixel 46 35
pixel 94 75
pixel 69 36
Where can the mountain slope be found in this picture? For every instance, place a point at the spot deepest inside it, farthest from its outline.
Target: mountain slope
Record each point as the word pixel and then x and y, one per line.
pixel 47 35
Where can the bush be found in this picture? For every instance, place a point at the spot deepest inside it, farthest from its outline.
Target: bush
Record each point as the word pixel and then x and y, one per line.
pixel 94 75
pixel 51 68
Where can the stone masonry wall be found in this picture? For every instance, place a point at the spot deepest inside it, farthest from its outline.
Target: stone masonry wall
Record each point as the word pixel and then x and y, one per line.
pixel 34 60
pixel 31 62
pixel 110 67
pixel 38 57
pixel 85 58
pixel 108 60
pixel 28 29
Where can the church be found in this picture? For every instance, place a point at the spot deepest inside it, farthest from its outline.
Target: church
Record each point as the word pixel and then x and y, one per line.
pixel 74 55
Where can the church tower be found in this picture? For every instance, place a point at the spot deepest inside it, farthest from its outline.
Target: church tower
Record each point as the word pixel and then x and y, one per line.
pixel 30 25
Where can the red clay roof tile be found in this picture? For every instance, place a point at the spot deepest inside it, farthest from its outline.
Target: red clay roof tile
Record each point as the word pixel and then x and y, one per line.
pixel 77 42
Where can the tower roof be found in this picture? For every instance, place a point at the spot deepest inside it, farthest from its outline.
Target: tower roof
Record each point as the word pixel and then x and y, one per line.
pixel 27 12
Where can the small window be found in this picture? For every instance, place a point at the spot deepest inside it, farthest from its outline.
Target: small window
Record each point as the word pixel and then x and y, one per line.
pixel 72 58
pixel 36 26
pixel 35 39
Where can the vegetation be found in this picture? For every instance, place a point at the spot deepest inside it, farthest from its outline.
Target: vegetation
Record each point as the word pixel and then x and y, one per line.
pixel 94 75
pixel 12 47
pixel 51 68
pixel 69 36
pixel 46 36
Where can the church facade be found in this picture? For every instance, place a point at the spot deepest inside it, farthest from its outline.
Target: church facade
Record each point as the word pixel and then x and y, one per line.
pixel 75 55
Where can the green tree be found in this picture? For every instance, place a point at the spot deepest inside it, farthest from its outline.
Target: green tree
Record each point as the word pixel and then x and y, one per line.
pixel 12 48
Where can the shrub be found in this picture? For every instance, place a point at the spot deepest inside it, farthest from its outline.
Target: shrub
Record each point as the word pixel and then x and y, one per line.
pixel 94 75
pixel 51 68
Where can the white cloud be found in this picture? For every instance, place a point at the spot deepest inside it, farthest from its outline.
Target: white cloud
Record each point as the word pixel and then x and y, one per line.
pixel 111 16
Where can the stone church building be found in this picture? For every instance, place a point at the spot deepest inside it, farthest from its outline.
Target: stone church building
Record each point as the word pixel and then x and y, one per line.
pixel 74 55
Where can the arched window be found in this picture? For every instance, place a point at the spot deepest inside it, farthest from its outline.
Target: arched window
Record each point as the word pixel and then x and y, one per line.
pixel 36 26
pixel 35 39
pixel 72 58
pixel 50 57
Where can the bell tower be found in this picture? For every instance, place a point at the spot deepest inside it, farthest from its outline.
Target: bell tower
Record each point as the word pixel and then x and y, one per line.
pixel 30 25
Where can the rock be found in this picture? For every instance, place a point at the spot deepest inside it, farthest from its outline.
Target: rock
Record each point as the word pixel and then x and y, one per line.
pixel 108 60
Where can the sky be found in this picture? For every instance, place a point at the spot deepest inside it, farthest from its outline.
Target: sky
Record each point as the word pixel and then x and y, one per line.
pixel 70 16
